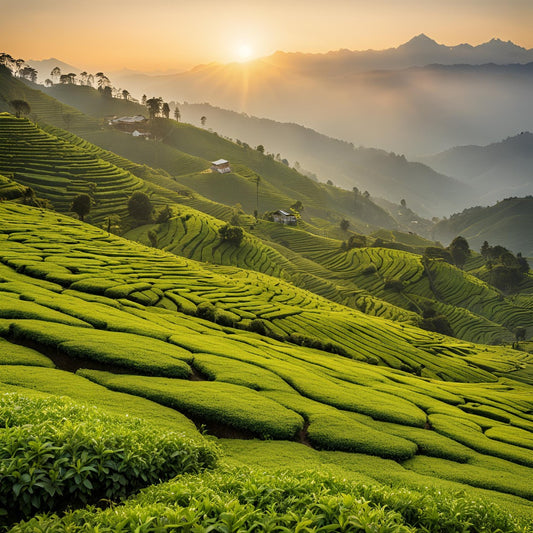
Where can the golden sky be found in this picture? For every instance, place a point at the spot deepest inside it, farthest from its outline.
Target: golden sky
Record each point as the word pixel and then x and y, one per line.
pixel 175 34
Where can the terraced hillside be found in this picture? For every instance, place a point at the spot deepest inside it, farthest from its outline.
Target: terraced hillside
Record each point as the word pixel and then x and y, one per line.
pixel 94 317
pixel 280 185
pixel 477 312
pixel 60 168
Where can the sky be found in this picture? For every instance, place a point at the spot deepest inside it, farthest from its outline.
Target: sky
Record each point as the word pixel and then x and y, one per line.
pixel 171 35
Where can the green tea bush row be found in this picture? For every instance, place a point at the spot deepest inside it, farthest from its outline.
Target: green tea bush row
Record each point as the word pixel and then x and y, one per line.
pixel 14 354
pixel 470 434
pixel 116 348
pixel 249 501
pixel 207 401
pixel 55 453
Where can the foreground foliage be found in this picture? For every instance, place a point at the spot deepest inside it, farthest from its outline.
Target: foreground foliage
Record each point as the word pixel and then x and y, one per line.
pixel 55 453
pixel 244 500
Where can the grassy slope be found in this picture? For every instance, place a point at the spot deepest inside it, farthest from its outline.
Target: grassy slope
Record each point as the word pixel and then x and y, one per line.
pixel 73 282
pixel 280 186
pixel 506 223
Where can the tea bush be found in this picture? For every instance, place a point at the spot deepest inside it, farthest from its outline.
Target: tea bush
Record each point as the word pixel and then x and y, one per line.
pixel 244 500
pixel 55 453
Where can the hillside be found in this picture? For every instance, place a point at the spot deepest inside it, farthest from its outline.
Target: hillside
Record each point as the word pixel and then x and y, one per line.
pixel 280 186
pixel 382 174
pixel 60 168
pixel 74 296
pixel 506 223
pixel 495 171
pixel 414 110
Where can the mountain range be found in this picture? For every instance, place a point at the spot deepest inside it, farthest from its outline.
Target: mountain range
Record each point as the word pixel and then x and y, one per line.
pixel 419 98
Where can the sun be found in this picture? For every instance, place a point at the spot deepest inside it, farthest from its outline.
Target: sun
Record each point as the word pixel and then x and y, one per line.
pixel 244 52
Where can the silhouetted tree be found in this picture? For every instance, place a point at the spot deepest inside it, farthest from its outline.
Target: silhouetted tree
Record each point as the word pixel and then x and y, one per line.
pixel 29 73
pixel 83 78
pixel 125 94
pixel 403 203
pixel 21 107
pixel 154 106
pixel 56 73
pixel 203 120
pixel 177 114
pixel 19 63
pixel 6 60
pixel 143 100
pixel 81 205
pixel 140 207
pixel 345 224
pixel 260 148
pixel 48 82
pixel 165 110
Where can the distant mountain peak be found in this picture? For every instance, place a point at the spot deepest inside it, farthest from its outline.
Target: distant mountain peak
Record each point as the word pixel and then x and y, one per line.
pixel 420 41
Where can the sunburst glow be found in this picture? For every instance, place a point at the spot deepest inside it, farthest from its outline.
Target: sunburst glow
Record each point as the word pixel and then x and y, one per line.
pixel 244 52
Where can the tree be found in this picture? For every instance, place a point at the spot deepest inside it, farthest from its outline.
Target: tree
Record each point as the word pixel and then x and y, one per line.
pixel 459 250
pixel 140 207
pixel 56 73
pixel 6 60
pixel 165 110
pixel 29 73
pixel 125 94
pixel 154 106
pixel 177 114
pixel 485 250
pixel 18 66
pixel 403 203
pixel 143 100
pixel 523 265
pixel 231 234
pixel 520 333
pixel 164 215
pixel 21 107
pixel 345 224
pixel 260 148
pixel 83 78
pixel 81 205
pixel 202 120
pixel 48 82
pixel 297 206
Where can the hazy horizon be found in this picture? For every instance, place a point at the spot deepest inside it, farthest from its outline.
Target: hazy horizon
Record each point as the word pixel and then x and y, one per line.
pixel 168 35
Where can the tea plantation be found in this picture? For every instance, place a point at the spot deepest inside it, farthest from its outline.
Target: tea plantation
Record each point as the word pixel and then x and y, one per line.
pixel 282 378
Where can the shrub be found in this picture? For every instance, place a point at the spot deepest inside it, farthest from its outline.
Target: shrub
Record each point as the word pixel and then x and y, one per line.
pixel 248 500
pixel 231 234
pixel 140 207
pixel 393 284
pixel 55 453
pixel 370 269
